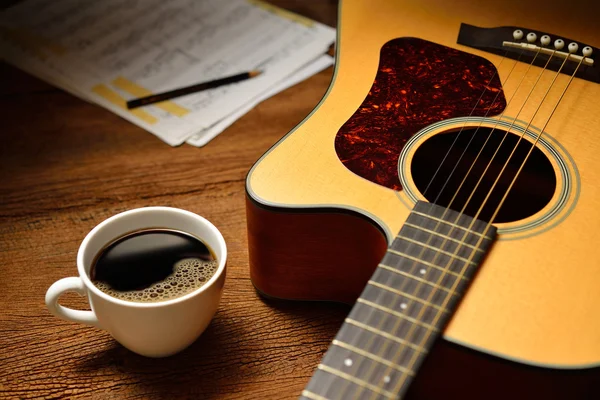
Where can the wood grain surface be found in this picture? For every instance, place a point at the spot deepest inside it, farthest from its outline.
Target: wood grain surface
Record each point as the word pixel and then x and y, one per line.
pixel 66 165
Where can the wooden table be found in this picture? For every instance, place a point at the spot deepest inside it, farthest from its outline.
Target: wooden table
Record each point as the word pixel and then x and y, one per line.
pixel 66 165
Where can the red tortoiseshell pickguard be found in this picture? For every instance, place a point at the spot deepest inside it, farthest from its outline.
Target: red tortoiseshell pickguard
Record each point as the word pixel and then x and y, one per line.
pixel 417 83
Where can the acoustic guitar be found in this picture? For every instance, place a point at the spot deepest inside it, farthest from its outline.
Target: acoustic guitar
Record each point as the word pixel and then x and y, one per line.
pixel 448 186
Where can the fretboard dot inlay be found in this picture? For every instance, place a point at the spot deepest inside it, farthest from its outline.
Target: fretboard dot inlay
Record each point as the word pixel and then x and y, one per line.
pixel 422 271
pixel 386 379
pixel 348 362
pixel 403 306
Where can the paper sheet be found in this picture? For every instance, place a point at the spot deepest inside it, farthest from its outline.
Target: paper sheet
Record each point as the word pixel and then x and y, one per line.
pixel 206 135
pixel 115 50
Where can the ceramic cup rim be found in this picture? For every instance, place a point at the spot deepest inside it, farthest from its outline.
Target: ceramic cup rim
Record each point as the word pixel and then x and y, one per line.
pixel 91 287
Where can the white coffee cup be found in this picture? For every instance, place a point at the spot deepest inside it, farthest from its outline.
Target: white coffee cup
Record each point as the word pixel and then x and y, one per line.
pixel 155 329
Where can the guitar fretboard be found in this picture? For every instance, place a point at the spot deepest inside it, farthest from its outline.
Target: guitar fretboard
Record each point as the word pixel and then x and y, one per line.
pixel 404 307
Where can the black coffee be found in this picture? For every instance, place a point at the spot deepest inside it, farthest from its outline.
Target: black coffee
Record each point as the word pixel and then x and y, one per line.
pixel 153 265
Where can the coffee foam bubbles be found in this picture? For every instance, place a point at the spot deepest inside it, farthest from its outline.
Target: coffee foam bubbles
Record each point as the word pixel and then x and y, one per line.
pixel 188 275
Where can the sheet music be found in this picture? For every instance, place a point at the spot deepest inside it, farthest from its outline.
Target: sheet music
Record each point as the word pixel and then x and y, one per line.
pixel 116 50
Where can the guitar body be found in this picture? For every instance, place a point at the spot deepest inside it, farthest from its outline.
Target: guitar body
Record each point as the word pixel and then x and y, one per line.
pixel 325 202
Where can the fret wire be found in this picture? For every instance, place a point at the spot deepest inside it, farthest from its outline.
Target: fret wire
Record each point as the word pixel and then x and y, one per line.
pixel 402 237
pixel 356 381
pixel 397 314
pixel 313 396
pixel 417 278
pixel 436 249
pixel 386 335
pixel 399 253
pixel 452 224
pixel 409 296
pixel 440 235
pixel 372 356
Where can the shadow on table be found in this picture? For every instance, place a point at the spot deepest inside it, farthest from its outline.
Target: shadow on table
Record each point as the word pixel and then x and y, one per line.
pixel 229 355
pixel 196 372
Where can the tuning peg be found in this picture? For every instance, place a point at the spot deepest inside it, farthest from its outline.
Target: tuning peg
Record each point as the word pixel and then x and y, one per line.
pixel 573 47
pixel 545 40
pixel 559 44
pixel 518 34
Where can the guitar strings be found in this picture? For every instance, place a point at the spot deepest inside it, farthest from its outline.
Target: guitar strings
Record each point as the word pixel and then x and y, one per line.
pixel 498 208
pixel 463 270
pixel 426 335
pixel 445 270
pixel 499 145
pixel 405 283
pixel 411 244
pixel 412 360
pixel 486 140
pixel 509 102
pixel 472 111
pixel 371 311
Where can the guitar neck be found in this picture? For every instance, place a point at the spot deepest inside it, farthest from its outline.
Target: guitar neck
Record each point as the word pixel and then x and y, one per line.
pixel 404 307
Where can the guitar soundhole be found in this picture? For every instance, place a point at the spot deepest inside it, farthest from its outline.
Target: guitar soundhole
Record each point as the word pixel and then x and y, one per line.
pixel 532 190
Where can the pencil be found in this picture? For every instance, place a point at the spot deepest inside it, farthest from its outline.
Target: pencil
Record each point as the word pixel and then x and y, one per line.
pixel 155 98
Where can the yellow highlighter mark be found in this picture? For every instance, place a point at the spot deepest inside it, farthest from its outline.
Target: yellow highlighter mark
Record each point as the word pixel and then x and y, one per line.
pixel 139 91
pixel 116 99
pixel 283 13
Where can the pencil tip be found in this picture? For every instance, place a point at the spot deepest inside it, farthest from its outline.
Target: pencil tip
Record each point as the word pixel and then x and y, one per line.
pixel 254 73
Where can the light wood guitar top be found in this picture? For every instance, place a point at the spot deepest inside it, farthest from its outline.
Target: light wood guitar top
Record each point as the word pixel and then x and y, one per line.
pixel 536 299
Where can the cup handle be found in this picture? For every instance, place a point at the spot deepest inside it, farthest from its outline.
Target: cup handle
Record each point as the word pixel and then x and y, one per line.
pixel 64 285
